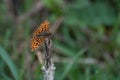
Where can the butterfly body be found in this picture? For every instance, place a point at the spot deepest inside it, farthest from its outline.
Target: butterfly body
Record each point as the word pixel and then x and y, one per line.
pixel 39 35
pixel 43 34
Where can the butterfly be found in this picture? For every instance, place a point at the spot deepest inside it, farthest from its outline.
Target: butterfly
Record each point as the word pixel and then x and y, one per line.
pixel 39 35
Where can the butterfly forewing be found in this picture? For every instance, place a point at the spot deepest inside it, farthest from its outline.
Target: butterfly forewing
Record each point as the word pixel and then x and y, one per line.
pixel 43 27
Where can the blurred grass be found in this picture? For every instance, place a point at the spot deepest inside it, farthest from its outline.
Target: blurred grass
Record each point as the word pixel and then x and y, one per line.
pixel 68 67
pixel 4 55
pixel 91 24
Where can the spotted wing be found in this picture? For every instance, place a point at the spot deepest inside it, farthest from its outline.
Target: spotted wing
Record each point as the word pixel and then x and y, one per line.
pixel 36 42
pixel 43 27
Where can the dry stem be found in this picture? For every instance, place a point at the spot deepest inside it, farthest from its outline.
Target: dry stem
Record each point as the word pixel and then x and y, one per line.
pixel 48 68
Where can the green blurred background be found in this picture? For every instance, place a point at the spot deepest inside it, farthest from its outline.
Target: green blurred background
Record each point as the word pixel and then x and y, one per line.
pixel 86 42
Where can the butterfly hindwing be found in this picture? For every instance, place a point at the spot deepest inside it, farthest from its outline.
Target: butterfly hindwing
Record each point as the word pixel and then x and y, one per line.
pixel 36 42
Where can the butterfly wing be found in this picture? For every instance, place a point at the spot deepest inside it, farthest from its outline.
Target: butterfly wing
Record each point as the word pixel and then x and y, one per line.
pixel 36 42
pixel 43 27
pixel 39 35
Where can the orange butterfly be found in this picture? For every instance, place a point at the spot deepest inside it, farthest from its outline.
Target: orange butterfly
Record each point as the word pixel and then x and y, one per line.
pixel 39 35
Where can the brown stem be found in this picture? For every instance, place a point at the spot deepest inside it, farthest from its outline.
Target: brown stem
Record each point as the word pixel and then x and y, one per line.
pixel 36 7
pixel 11 8
pixel 48 54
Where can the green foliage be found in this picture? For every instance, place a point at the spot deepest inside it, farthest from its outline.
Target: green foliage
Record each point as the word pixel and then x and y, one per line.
pixel 71 65
pixel 4 55
pixel 87 13
pixel 54 5
pixel 28 4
